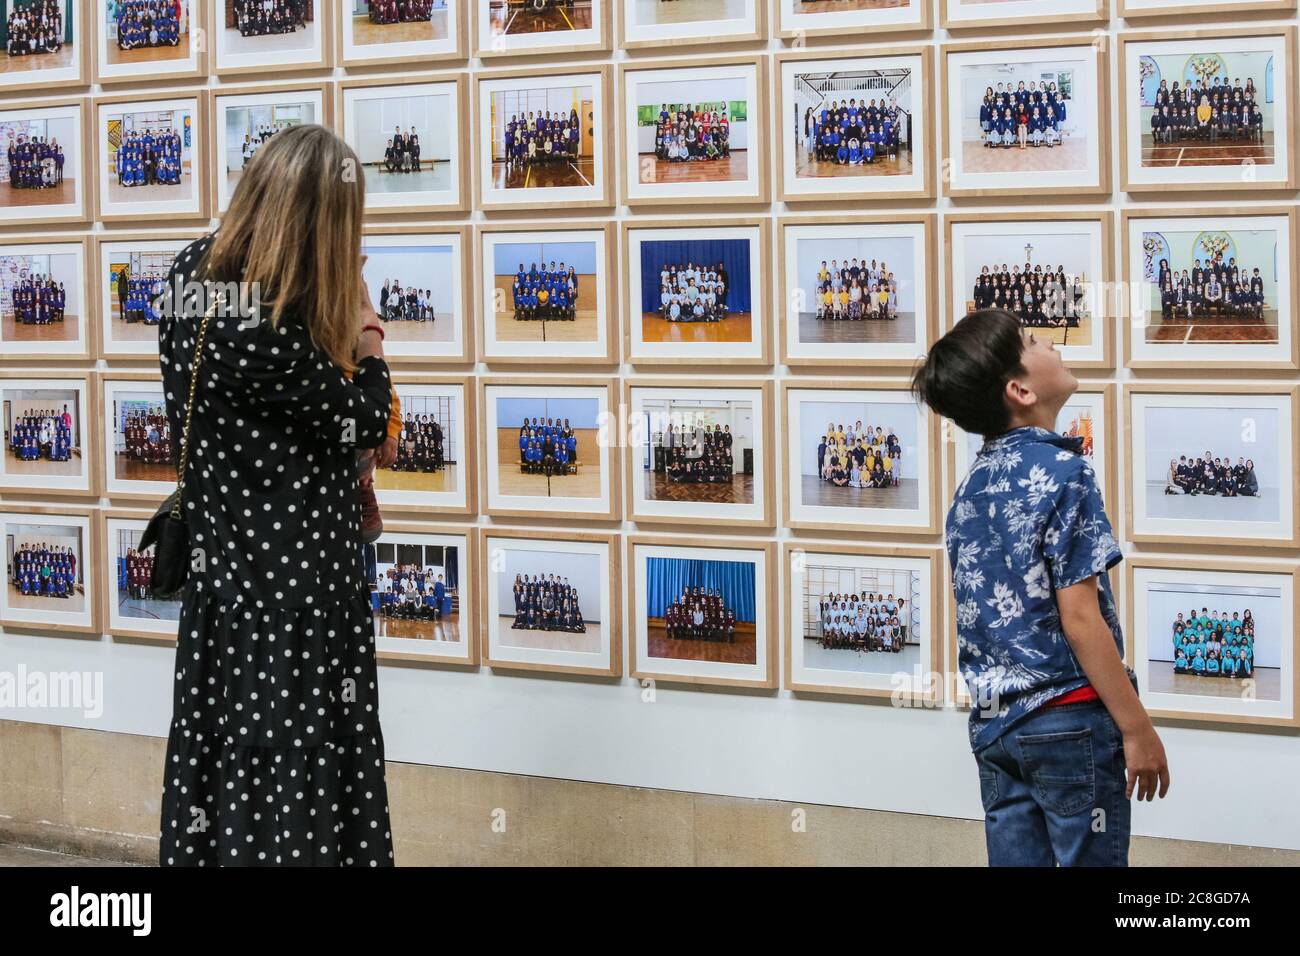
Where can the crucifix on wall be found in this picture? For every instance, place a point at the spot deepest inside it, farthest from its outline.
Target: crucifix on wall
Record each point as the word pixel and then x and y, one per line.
pixel 1029 251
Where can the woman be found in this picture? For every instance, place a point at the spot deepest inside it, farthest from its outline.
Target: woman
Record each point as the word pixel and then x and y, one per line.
pixel 275 755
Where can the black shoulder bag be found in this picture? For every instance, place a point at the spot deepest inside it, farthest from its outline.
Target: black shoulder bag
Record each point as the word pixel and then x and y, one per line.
pixel 167 530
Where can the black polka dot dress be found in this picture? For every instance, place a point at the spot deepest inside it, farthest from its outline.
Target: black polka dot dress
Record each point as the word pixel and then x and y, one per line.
pixel 275 755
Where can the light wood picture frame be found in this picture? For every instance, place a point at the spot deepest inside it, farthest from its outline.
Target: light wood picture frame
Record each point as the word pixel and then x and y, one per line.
pixel 404 638
pixel 447 92
pixel 591 563
pixel 1082 171
pixel 508 490
pixel 76 190
pixel 121 340
pixel 913 16
pixel 750 27
pixel 236 55
pixel 807 341
pixel 554 40
pixel 68 259
pixel 1079 241
pixel 142 470
pixel 645 179
pixel 438 260
pixel 707 660
pixel 507 335
pixel 588 93
pixel 190 108
pixel 912 70
pixel 41 476
pixel 746 498
pixel 448 41
pixel 57 527
pixel 1152 9
pixel 113 65
pixel 908 507
pixel 1241 168
pixel 730 339
pixel 69 72
pixel 425 479
pixel 125 614
pixel 964 15
pixel 1263 421
pixel 1271 591
pixel 1149 236
pixel 810 567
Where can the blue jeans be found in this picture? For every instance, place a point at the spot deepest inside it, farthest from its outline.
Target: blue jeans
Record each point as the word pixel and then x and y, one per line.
pixel 1053 790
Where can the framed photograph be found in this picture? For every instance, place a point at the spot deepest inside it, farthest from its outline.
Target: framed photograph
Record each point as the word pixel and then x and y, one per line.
pixel 547 295
pixel 863 621
pixel 48 434
pixel 860 18
pixel 1025 120
pixel 1052 269
pixel 44 152
pixel 151 158
pixel 548 449
pixel 856 127
pixel 434 470
pixel 419 282
pixel 380 32
pixel 703 615
pixel 697 296
pixel 700 454
pixel 421 580
pixel 265 36
pixel 1215 645
pixel 49 584
pixel 246 118
pixel 45 45
pixel 44 310
pixel 544 139
pixel 694 132
pixel 1209 289
pixel 130 273
pixel 857 290
pixel 860 456
pixel 139 40
pixel 540 27
pixel 550 602
pixel 389 123
pixel 1140 9
pixel 1212 464
pixel 130 608
pixel 1089 414
pixel 983 14
pixel 652 23
pixel 137 437
pixel 1207 110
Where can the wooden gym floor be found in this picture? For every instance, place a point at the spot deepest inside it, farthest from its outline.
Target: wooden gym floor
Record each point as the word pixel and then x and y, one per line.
pixel 584 327
pixel 1080 335
pixel 738 491
pixel 75 604
pixel 511 481
pixel 513 22
pixel 655 12
pixel 9 65
pixel 586 642
pixel 126 468
pixel 365 33
pixel 447 630
pixel 736 327
pixel 734 168
pixel 1205 153
pixel 184 190
pixel 60 195
pixel 815 331
pixel 11 330
pixel 123 331
pixel 822 494
pixel 386 479
pixel 1161 679
pixel 843 6
pixel 807 168
pixel 1070 155
pixel 544 175
pixel 744 650
pixel 149 54
pixel 1212 330
pixel 45 468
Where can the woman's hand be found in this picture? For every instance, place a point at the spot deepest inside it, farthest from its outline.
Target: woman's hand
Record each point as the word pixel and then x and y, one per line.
pixel 368 342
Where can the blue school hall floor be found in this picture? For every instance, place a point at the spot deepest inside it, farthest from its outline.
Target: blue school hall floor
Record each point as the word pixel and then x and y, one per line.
pixel 861 662
pixel 1264 507
pixel 148 609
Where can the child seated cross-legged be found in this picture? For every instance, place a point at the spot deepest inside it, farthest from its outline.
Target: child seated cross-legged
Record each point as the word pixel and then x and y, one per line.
pixel 1060 739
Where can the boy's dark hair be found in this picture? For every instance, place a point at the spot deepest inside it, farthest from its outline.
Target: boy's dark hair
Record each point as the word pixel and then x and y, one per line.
pixel 966 371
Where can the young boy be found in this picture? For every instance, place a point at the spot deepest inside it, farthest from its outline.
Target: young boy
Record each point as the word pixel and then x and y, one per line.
pixel 1055 719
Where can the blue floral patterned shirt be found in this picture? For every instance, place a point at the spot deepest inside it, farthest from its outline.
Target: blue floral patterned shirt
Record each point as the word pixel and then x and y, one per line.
pixel 1027 520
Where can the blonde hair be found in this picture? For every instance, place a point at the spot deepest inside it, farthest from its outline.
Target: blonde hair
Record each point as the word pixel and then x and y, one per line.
pixel 294 229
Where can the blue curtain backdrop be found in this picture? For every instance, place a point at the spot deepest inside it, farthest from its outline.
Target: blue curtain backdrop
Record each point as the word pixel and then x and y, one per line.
pixel 666 578
pixel 732 253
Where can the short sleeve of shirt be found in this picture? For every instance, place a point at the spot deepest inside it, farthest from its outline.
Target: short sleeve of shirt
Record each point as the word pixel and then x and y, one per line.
pixel 1078 542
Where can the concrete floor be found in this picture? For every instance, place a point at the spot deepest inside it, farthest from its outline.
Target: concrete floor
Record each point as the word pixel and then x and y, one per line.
pixel 11 855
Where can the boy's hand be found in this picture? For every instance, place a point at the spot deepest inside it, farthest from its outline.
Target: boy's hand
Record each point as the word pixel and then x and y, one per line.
pixel 1145 756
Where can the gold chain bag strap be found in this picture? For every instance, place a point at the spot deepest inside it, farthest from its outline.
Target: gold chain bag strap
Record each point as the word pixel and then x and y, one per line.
pixel 167 530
